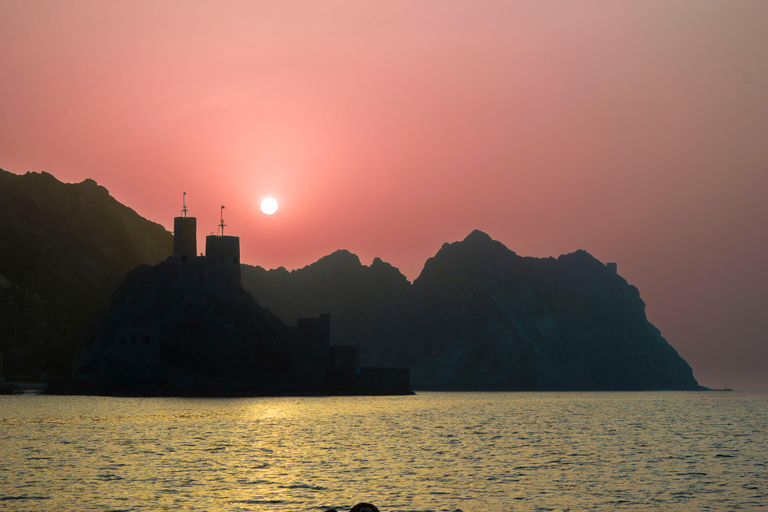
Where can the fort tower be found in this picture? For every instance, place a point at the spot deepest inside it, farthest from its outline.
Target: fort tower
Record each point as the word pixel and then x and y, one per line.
pixel 222 258
pixel 184 233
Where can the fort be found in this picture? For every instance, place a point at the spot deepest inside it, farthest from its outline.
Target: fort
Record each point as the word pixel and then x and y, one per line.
pixel 187 327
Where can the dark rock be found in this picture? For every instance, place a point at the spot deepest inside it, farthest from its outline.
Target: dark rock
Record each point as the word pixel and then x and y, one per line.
pixel 481 317
pixel 65 249
pixel 364 507
pixel 358 297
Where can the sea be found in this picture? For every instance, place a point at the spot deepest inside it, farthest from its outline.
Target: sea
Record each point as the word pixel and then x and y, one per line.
pixel 432 451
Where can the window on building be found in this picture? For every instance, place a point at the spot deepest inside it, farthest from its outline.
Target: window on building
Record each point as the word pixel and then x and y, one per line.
pixel 122 340
pixel 146 340
pixel 133 340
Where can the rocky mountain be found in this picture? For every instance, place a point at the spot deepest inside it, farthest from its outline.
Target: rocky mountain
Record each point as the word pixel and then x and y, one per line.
pixel 478 317
pixel 359 297
pixel 65 249
pixel 481 317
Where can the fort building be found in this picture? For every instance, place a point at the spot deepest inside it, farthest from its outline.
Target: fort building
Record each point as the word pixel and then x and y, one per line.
pixel 222 252
pixel 187 326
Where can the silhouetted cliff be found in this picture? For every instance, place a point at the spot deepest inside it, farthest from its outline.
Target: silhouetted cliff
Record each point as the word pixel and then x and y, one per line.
pixel 65 249
pixel 481 317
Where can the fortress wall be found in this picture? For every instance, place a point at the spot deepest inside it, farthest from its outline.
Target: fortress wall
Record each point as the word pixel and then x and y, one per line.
pixel 345 356
pixel 310 346
pixel 370 381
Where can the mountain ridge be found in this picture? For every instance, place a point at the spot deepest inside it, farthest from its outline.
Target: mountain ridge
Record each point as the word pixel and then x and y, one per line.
pixel 66 248
pixel 478 316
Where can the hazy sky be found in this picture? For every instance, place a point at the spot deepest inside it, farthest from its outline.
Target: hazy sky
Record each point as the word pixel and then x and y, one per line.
pixel 636 130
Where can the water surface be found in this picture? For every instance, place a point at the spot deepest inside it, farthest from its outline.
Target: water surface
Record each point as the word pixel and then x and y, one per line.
pixel 433 451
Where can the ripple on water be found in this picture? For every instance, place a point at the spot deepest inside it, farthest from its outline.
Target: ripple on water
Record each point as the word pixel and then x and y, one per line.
pixel 432 451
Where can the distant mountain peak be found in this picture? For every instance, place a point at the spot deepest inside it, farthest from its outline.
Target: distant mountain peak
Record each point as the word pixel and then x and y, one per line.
pixel 379 264
pixel 340 257
pixel 476 244
pixel 478 236
pixel 477 251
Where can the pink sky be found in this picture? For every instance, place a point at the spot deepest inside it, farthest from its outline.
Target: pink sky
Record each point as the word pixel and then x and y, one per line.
pixel 636 130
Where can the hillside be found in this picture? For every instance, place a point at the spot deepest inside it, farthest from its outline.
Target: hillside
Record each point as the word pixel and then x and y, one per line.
pixel 65 249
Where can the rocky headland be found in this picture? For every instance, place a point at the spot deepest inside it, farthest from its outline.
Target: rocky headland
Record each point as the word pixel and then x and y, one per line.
pixel 481 317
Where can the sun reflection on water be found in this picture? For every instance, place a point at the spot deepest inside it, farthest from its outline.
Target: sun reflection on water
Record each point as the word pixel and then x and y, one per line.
pixel 433 451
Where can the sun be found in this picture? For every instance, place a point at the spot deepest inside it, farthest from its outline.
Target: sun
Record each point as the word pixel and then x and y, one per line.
pixel 268 205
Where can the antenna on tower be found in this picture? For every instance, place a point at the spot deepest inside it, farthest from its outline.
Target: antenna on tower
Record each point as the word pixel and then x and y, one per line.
pixel 222 221
pixel 184 203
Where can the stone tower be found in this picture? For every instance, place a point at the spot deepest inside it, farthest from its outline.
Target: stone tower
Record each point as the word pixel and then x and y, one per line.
pixel 184 234
pixel 222 258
